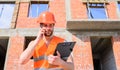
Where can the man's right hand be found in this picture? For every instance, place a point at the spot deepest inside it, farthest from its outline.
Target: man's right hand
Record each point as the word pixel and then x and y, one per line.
pixel 40 33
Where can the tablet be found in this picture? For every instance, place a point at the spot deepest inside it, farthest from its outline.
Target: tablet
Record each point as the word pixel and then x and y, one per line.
pixel 65 49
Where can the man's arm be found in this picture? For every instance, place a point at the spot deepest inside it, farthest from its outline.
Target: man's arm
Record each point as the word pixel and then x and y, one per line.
pixel 56 60
pixel 27 54
pixel 69 65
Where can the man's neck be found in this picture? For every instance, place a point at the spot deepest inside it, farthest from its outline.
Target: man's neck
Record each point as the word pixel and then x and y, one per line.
pixel 48 39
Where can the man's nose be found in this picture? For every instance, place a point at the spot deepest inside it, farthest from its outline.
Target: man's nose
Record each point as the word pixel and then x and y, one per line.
pixel 48 27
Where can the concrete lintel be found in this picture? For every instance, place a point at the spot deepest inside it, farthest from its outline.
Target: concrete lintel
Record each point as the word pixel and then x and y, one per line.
pixel 93 24
pixel 24 0
pixel 23 31
pixel 34 31
pixel 96 33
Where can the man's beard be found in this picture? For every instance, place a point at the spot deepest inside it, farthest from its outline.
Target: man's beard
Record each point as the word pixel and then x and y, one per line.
pixel 48 33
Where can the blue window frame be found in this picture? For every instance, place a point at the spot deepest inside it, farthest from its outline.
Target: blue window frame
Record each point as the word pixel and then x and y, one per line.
pixel 37 8
pixel 6 13
pixel 96 11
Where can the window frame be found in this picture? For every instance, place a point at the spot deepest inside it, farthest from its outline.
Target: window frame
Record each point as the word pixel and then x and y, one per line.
pixel 99 6
pixel 30 15
pixel 95 1
pixel 118 5
pixel 8 26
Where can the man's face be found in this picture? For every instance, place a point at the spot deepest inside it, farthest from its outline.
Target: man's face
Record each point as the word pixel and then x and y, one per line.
pixel 48 29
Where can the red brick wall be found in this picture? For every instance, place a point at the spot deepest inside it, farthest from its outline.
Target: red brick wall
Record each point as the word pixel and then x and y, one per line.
pixel 56 6
pixel 78 9
pixel 14 50
pixel 116 50
pixel 23 20
pixel 82 51
pixel 112 10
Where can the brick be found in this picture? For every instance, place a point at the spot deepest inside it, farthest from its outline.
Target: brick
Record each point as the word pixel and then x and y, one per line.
pixel 14 50
pixel 78 10
pixel 116 50
pixel 82 50
pixel 112 10
pixel 58 8
pixel 82 53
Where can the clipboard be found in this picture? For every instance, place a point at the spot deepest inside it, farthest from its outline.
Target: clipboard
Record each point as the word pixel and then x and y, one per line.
pixel 65 49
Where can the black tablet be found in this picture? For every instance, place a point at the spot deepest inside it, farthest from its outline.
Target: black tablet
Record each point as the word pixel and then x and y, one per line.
pixel 65 49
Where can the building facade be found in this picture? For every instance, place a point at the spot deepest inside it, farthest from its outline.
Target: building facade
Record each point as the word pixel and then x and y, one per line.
pixel 93 24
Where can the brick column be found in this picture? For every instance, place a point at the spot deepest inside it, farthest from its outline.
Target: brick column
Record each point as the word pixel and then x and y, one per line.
pixel 58 8
pixel 16 45
pixel 15 14
pixel 23 21
pixel 83 53
pixel 111 10
pixel 116 50
pixel 78 9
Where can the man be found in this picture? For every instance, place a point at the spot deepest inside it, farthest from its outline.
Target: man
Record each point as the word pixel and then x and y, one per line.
pixel 43 47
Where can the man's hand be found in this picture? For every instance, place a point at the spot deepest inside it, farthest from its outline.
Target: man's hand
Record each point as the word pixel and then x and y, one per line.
pixel 55 60
pixel 40 33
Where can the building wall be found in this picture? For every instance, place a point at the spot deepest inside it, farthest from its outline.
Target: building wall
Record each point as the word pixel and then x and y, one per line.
pixel 25 26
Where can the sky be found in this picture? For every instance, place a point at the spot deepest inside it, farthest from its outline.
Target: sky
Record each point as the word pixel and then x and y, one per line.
pixel 36 9
pixel 119 6
pixel 6 12
pixel 98 13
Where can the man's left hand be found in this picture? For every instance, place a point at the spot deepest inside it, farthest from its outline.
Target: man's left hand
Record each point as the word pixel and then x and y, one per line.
pixel 55 60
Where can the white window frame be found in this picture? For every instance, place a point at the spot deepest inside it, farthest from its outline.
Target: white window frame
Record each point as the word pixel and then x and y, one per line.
pixel 36 2
pixel 89 12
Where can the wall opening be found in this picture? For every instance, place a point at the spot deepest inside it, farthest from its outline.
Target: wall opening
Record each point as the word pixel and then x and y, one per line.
pixel 27 41
pixel 97 65
pixel 3 50
pixel 102 52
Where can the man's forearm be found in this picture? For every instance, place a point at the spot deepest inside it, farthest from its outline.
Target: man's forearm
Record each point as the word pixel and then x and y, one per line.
pixel 67 65
pixel 27 54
